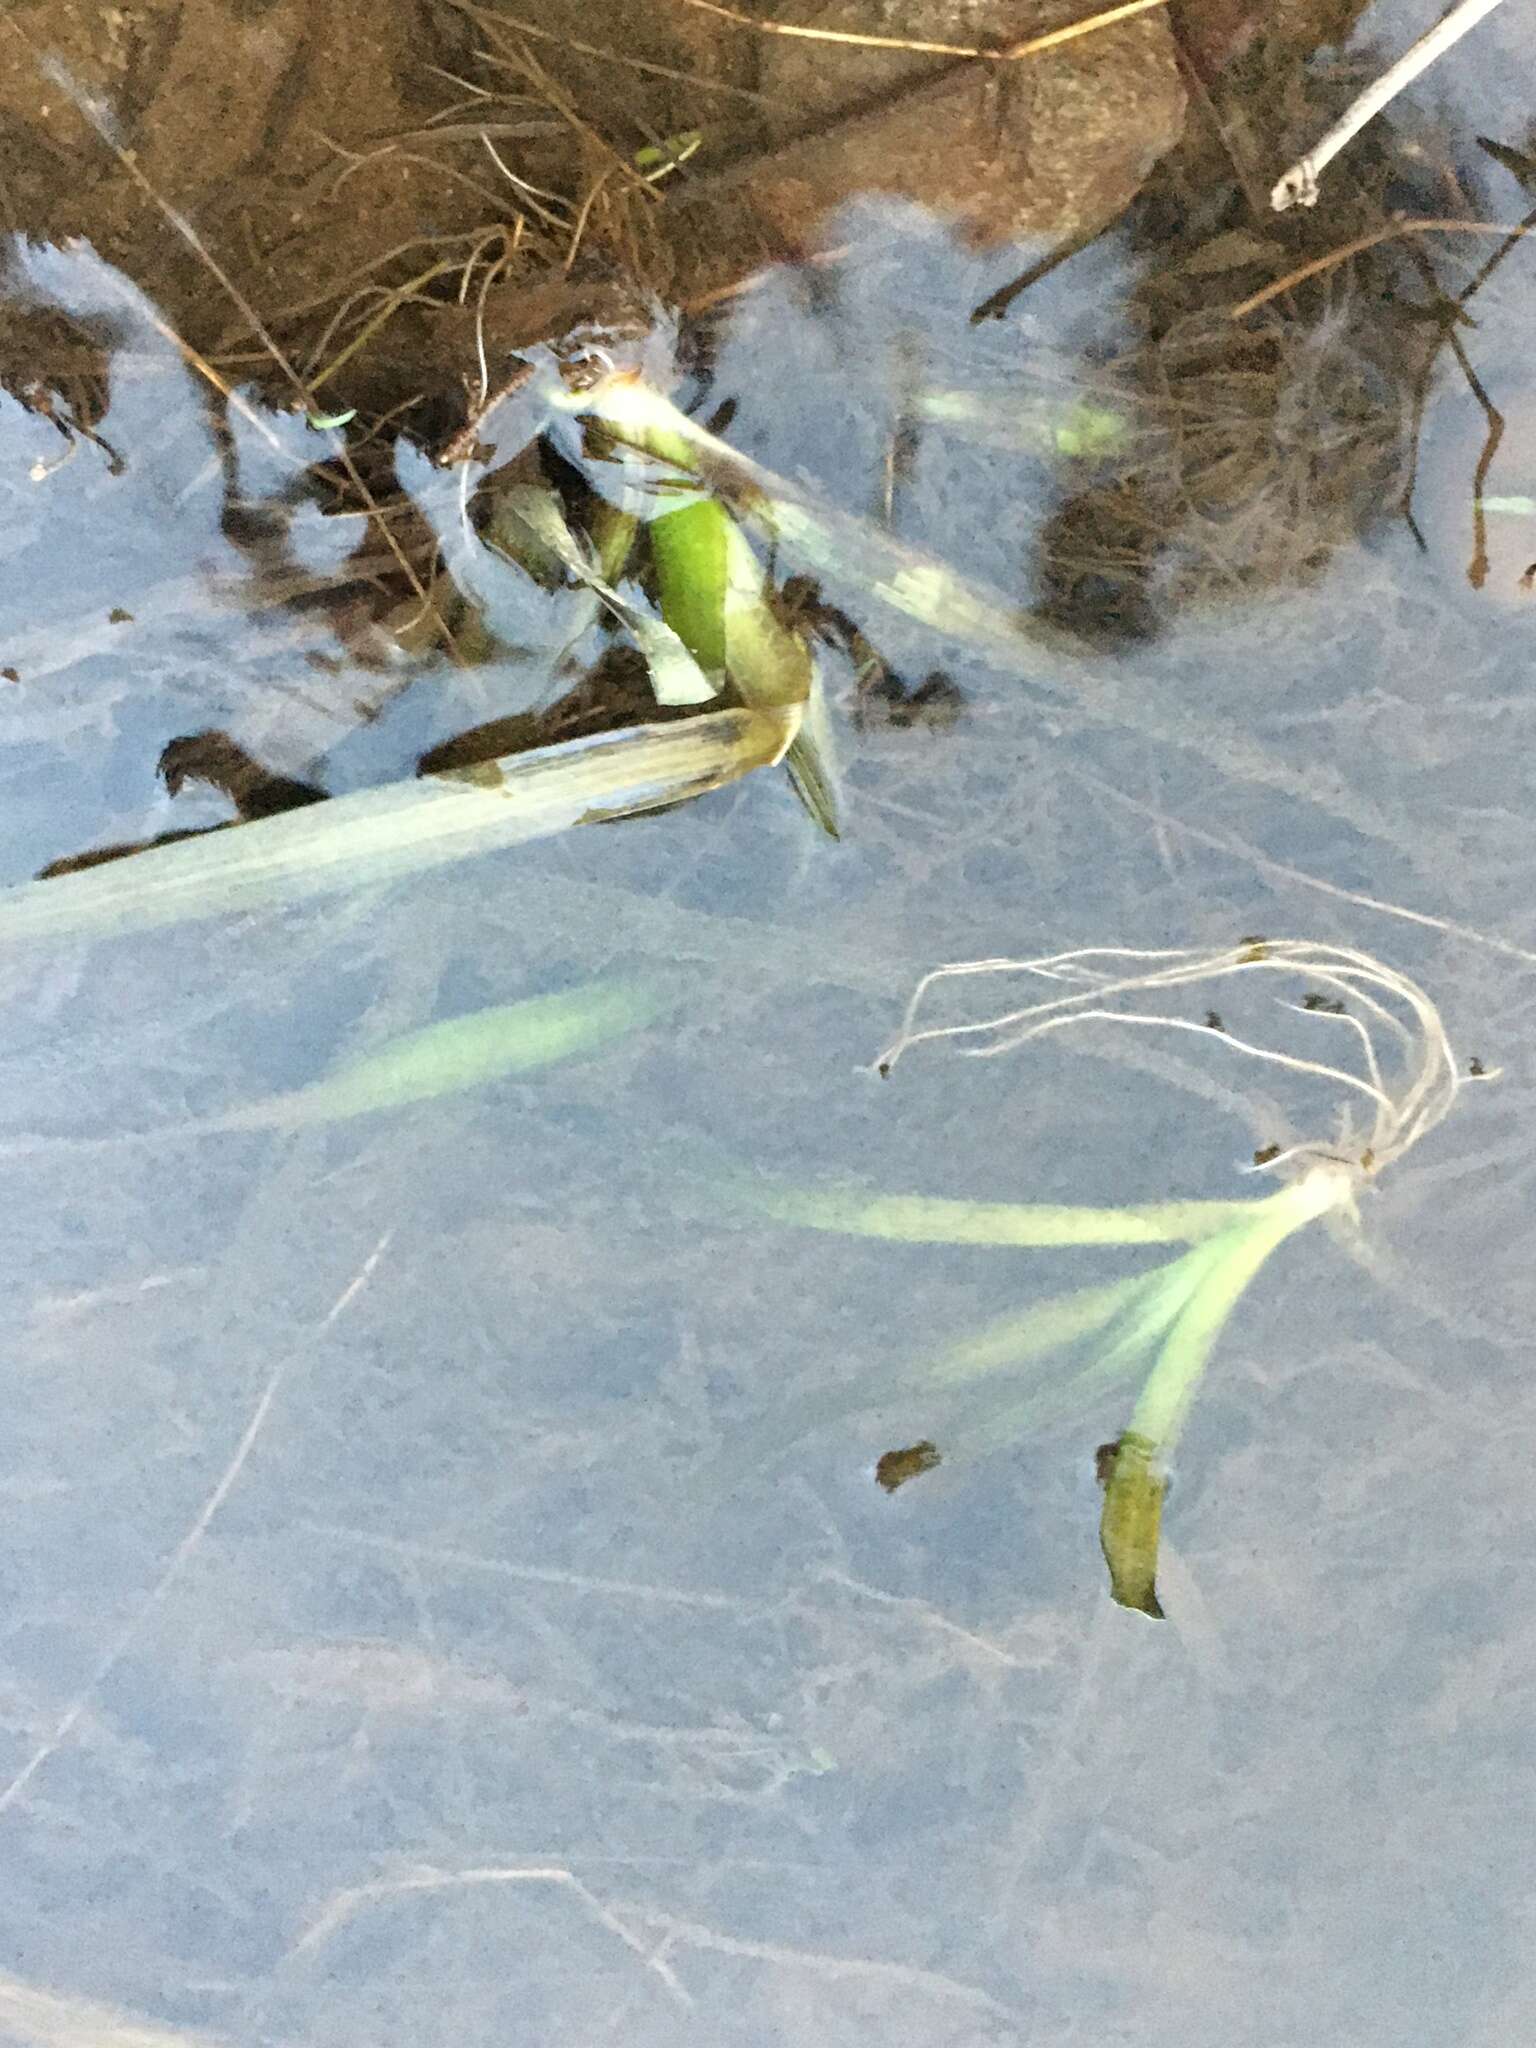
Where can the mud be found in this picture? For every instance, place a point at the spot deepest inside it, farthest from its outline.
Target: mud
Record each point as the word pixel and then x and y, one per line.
pixel 394 190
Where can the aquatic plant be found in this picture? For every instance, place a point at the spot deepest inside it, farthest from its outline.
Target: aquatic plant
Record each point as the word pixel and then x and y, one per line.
pixel 401 828
pixel 713 593
pixel 459 1054
pixel 1399 1077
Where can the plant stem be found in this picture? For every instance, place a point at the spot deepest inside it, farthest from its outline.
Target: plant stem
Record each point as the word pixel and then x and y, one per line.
pixel 1164 1400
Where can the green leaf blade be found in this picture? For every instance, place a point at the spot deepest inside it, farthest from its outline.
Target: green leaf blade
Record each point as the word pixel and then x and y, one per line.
pixel 926 1219
pixel 463 1053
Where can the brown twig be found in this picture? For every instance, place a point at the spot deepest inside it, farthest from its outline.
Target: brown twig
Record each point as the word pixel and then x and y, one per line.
pixel 509 249
pixel 360 160
pixel 1008 53
pixel 465 442
pixel 996 304
pixel 1486 270
pixel 1477 568
pixel 303 306
pixel 546 35
pixel 529 194
pixel 811 259
pixel 549 89
pixel 1358 247
pixel 1031 46
pixel 583 215
pixel 393 297
pixel 931 81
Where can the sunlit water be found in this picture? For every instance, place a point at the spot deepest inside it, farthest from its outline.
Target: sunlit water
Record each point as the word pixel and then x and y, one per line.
pixel 378 1662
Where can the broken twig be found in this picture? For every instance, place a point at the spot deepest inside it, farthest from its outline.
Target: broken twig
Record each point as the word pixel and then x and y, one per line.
pixel 1299 185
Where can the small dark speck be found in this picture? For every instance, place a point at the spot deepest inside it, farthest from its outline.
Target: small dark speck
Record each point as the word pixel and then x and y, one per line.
pixel 118 617
pixel 895 1468
pixel 1213 1021
pixel 1475 1068
pixel 11 675
pixel 1265 1153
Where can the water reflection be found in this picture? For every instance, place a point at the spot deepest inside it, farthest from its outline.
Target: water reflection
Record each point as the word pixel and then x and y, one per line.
pixel 372 1637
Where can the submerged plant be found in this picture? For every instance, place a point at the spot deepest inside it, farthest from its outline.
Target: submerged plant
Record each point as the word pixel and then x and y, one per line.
pixel 454 1056
pixel 1391 1058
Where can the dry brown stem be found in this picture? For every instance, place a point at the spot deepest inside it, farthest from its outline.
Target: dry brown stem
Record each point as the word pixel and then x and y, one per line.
pixel 1393 232
pixel 1008 53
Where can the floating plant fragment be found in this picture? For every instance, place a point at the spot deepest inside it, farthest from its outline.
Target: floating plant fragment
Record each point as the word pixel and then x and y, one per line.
pixel 403 828
pixel 895 1468
pixel 1075 430
pixel 906 579
pixel 676 674
pixel 1134 1490
pixel 714 593
pixel 1165 1322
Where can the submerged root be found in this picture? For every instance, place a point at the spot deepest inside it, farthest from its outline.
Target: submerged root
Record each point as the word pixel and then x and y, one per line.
pixel 1398 1056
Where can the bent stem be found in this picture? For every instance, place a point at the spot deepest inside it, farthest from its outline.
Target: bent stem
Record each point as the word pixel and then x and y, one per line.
pixel 1232 1265
pixel 1130 1525
pixel 1180 1305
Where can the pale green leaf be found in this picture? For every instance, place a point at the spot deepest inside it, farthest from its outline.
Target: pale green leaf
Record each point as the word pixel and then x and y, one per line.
pixel 925 1219
pixel 380 835
pixel 461 1053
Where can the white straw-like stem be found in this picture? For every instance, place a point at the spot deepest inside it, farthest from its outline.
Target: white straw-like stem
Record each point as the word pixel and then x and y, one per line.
pixel 1299 185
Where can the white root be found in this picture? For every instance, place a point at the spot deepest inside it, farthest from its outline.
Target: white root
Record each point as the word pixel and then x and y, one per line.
pixel 1408 1093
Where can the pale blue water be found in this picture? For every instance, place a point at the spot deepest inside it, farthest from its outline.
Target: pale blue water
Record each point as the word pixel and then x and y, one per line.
pixel 378 1666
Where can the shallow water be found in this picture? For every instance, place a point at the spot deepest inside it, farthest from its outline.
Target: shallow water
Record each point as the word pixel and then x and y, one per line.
pixel 386 1657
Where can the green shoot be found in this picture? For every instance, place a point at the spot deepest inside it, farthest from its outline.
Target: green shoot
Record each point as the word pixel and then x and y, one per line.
pixel 659 159
pixel 714 593
pixel 905 579
pixel 1394 1057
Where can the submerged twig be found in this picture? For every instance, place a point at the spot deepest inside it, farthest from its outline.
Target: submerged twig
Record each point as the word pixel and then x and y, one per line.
pixel 1359 246
pixel 1298 187
pixel 1005 53
pixel 1477 568
pixel 695 81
